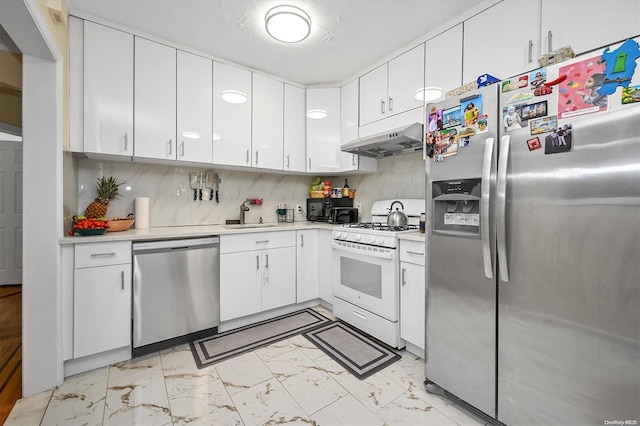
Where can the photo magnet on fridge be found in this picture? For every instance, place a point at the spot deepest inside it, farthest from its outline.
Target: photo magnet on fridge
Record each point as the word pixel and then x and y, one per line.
pixel 631 95
pixel 543 125
pixel 471 109
pixel 451 117
pixel 534 144
pixel 559 141
pixel 579 92
pixel 482 124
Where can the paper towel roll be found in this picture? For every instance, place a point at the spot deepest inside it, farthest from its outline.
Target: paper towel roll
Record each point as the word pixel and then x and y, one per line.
pixel 142 212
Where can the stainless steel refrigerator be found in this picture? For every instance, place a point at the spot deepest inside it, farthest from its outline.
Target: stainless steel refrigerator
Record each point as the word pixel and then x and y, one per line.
pixel 533 238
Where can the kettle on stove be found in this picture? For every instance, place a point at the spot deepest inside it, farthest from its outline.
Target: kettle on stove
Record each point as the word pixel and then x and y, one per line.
pixel 397 217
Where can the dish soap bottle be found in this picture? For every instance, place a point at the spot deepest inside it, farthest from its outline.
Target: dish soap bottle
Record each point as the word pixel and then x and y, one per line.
pixel 345 189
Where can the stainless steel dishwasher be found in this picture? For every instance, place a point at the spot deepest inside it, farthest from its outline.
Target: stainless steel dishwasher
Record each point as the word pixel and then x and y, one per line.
pixel 176 292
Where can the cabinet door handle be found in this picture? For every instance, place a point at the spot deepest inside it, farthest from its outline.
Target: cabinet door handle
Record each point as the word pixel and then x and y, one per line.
pixel 550 41
pixel 288 162
pixel 169 143
pixel 182 148
pixel 256 156
pixel 257 262
pixel 301 240
pixel 113 253
pixel 309 163
pixel 126 141
pixel 390 104
pixel 122 279
pixel 403 273
pixel 381 106
pixel 247 156
pixel 353 159
pixel 266 260
pixel 530 51
pixel 262 241
pixel 415 252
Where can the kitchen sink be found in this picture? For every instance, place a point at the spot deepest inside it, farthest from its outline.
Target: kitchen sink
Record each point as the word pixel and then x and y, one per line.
pixel 250 225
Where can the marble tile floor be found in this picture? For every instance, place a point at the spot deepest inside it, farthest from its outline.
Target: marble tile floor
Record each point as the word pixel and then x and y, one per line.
pixel 289 382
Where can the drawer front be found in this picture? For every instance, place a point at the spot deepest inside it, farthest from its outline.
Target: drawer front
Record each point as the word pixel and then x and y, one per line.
pixel 412 252
pixel 102 254
pixel 257 241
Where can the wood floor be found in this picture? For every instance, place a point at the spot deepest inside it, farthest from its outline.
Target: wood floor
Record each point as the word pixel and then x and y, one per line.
pixel 10 348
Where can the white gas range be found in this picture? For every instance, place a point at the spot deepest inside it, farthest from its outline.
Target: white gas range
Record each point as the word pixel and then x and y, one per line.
pixel 366 277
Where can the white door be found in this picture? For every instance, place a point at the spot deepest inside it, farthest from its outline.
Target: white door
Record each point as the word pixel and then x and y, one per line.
pixel 240 284
pixel 373 95
pixel 348 123
pixel 231 115
pixel 580 31
pixel 308 264
pixel 295 129
pixel 406 76
pixel 267 123
pixel 155 100
pixel 194 110
pixel 278 277
pixel 323 135
pixel 108 90
pixel 412 303
pixel 496 42
pixel 10 213
pixel 445 48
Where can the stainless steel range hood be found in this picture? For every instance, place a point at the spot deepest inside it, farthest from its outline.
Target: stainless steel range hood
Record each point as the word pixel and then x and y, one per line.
pixel 404 140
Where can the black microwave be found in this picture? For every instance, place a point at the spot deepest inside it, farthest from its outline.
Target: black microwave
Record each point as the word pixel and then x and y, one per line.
pixel 343 215
pixel 319 209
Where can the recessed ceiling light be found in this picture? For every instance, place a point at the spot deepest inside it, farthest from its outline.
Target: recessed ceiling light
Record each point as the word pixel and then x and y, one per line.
pixel 233 96
pixel 428 94
pixel 288 24
pixel 317 114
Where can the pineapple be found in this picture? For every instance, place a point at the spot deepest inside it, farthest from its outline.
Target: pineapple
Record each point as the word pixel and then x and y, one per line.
pixel 106 190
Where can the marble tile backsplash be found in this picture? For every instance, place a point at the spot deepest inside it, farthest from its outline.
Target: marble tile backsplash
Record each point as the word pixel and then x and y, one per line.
pixel 172 203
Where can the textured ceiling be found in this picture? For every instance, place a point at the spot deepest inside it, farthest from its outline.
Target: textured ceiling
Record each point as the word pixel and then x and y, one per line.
pixel 346 36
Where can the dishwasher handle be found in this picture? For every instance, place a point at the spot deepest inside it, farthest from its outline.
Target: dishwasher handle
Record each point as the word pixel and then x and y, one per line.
pixel 175 245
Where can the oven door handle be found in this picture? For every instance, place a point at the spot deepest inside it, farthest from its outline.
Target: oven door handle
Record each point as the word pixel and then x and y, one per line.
pixel 387 253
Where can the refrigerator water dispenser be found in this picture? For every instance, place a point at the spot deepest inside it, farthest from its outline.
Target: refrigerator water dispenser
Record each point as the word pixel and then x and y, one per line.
pixel 456 207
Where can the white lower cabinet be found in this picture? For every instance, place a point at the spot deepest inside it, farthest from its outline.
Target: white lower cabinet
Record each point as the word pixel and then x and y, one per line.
pixel 325 263
pixel 257 273
pixel 101 297
pixel 412 294
pixel 307 265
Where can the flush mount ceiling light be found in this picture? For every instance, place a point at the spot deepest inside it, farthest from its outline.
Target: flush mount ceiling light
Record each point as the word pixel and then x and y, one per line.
pixel 428 94
pixel 317 114
pixel 288 24
pixel 233 96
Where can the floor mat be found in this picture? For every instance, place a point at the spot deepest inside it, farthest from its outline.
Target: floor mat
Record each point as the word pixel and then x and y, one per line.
pixel 221 346
pixel 360 354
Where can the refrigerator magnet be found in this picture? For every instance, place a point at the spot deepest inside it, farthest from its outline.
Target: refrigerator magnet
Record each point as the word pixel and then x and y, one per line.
pixel 482 125
pixel 543 125
pixel 581 96
pixel 620 65
pixel 520 83
pixel 559 141
pixel 631 94
pixel 466 132
pixel 471 109
pixel 451 117
pixel 534 143
pixel 512 117
pixel 464 141
pixel 538 78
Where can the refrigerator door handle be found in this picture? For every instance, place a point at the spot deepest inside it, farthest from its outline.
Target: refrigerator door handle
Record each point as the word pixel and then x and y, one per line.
pixel 501 206
pixel 485 197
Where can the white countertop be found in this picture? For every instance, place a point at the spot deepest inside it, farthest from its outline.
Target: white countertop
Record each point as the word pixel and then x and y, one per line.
pixel 170 232
pixel 412 236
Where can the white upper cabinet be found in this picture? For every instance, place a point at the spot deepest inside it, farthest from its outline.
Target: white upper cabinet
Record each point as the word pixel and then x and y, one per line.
pixel 323 135
pixel 444 61
pixel 108 90
pixel 155 100
pixel 502 40
pixel 406 77
pixel 587 24
pixel 390 89
pixel 194 108
pixel 295 129
pixel 349 130
pixel 267 123
pixel 373 95
pixel 231 117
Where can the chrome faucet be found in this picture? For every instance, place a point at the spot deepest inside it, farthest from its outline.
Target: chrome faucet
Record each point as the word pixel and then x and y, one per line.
pixel 243 208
